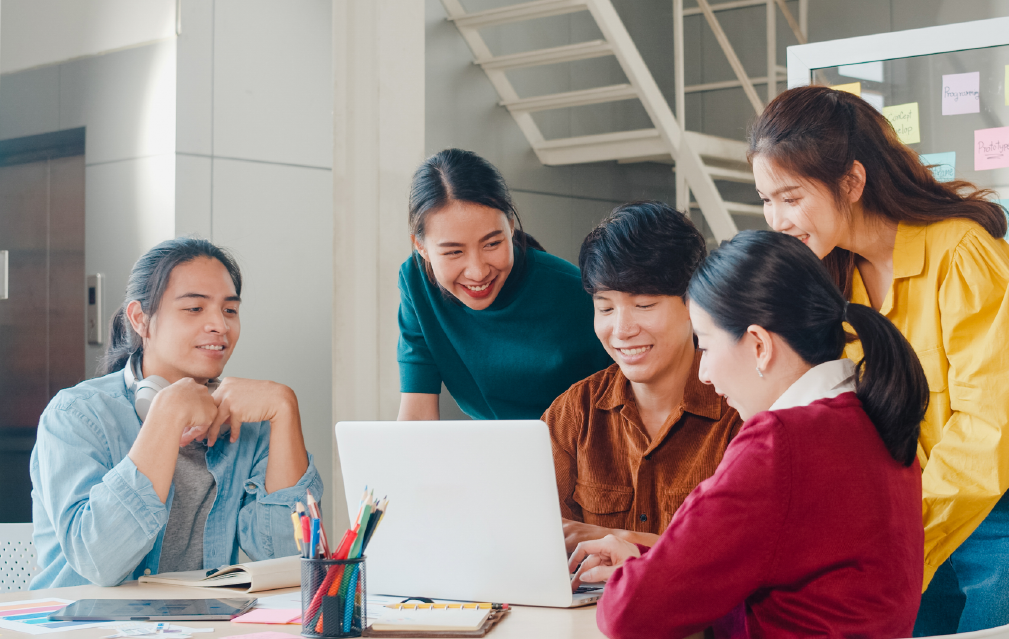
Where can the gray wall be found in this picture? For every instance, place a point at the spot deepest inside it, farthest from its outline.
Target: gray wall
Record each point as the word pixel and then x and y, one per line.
pixel 126 102
pixel 254 174
pixel 225 132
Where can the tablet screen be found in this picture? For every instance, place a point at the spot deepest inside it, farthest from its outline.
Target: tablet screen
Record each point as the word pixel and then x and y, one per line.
pixel 153 609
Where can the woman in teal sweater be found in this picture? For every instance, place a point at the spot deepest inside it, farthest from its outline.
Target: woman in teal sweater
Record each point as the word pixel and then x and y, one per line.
pixel 505 325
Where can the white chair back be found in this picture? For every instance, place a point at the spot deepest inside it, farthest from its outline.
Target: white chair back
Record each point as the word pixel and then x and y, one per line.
pixel 18 562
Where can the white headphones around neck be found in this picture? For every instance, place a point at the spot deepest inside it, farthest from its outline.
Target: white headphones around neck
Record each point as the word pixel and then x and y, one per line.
pixel 144 388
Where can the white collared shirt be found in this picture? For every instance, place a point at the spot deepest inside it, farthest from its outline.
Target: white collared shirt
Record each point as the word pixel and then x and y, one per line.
pixel 824 381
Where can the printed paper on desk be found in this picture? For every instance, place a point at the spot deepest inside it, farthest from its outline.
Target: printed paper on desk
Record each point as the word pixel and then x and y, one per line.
pixel 991 148
pixel 262 635
pixel 943 164
pixel 961 93
pixel 31 616
pixel 904 118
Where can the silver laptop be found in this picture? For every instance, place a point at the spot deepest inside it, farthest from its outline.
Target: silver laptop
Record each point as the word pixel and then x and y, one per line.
pixel 473 510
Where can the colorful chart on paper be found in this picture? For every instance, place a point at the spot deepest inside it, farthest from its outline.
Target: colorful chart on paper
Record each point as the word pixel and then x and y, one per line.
pixel 32 616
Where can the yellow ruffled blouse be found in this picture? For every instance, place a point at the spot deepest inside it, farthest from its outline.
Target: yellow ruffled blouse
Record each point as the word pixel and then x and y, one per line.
pixel 949 299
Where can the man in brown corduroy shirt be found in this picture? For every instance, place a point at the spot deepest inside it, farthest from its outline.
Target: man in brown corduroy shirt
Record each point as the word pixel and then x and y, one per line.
pixel 631 441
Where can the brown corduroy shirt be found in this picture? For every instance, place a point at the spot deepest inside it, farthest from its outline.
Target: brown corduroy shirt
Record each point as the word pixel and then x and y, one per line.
pixel 608 471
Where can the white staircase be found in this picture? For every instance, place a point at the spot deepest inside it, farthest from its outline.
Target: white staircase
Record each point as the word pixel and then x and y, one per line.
pixel 699 159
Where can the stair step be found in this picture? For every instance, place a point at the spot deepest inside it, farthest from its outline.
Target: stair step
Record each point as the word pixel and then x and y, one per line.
pixel 599 95
pixel 603 147
pixel 555 55
pixel 518 13
pixel 729 175
pixel 756 210
pixel 712 146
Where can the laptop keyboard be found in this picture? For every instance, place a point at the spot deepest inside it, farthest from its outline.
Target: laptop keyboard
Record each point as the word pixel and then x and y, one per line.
pixel 584 589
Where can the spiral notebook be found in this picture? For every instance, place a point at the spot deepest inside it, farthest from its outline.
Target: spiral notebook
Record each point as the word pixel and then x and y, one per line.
pixel 437 620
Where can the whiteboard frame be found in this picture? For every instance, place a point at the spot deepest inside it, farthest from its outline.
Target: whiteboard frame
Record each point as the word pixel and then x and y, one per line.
pixel 804 58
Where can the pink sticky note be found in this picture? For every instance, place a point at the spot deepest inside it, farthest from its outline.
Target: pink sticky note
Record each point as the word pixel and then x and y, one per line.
pixel 263 635
pixel 265 615
pixel 991 148
pixel 961 93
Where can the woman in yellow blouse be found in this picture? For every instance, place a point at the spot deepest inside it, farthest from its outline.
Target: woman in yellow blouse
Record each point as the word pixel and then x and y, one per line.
pixel 931 257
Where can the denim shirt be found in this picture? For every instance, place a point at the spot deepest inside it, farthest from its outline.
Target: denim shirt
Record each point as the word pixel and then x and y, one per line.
pixel 97 517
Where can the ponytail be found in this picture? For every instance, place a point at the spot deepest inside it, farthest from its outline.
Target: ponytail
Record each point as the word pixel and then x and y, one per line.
pixel 891 382
pixel 774 281
pixel 123 342
pixel 147 284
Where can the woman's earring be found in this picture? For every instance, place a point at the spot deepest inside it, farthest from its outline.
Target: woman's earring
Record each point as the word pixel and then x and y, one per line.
pixel 759 372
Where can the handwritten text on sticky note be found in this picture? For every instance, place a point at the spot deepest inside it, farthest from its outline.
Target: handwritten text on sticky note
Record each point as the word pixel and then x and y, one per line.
pixel 904 118
pixel 991 148
pixel 944 167
pixel 961 93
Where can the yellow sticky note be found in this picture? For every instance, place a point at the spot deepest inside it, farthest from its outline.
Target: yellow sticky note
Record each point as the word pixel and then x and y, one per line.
pixel 904 118
pixel 853 87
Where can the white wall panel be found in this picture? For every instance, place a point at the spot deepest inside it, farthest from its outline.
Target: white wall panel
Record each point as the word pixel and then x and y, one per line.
pixel 278 222
pixel 195 79
pixel 38 32
pixel 126 100
pixel 193 195
pixel 30 103
pixel 129 207
pixel 273 73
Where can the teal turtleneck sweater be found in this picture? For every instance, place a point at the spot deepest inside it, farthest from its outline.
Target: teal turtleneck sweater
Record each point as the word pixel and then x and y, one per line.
pixel 510 360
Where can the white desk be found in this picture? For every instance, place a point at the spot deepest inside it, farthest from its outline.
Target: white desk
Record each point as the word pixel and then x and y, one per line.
pixel 523 623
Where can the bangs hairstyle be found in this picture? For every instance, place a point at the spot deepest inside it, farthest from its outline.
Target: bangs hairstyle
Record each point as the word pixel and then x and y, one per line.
pixel 641 248
pixel 817 133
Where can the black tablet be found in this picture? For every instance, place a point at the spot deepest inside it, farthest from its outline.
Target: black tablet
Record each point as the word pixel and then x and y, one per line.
pixel 153 610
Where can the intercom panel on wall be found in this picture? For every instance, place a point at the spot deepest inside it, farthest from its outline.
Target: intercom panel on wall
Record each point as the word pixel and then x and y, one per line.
pixel 94 318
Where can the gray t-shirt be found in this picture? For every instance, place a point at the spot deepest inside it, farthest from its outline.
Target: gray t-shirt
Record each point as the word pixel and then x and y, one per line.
pixel 195 492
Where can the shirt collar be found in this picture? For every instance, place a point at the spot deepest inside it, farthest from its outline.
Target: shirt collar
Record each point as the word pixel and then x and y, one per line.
pixel 824 381
pixel 908 251
pixel 698 398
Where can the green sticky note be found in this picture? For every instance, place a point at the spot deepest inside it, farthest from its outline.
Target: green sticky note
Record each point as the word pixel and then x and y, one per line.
pixel 943 165
pixel 904 118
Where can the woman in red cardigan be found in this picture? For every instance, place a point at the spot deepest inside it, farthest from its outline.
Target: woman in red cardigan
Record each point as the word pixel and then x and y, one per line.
pixel 811 526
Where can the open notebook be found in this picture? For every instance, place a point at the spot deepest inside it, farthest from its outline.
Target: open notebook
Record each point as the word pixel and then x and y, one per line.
pixel 252 576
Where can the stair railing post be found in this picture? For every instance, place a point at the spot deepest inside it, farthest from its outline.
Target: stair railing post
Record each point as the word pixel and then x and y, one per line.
pixel 679 83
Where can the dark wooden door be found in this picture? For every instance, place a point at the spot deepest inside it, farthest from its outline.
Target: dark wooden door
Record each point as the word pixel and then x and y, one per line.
pixel 42 337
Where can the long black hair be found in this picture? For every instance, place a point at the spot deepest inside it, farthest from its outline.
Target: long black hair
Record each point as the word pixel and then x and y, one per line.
pixel 641 248
pixel 147 284
pixel 772 280
pixel 818 133
pixel 455 175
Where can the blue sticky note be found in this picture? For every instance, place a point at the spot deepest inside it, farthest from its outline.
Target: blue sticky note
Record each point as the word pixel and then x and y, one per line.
pixel 947 164
pixel 1005 208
